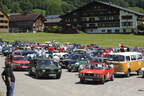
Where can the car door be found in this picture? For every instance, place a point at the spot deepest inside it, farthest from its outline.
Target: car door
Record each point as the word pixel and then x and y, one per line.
pixel 33 67
pixel 109 72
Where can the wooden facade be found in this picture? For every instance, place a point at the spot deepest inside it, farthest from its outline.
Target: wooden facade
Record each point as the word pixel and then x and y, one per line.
pixel 32 22
pixel 100 17
pixel 4 22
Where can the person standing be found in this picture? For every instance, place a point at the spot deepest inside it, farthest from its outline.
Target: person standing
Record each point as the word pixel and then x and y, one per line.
pixel 56 60
pixel 9 79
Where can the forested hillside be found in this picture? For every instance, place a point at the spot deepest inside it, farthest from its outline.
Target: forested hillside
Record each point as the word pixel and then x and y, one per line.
pixel 48 7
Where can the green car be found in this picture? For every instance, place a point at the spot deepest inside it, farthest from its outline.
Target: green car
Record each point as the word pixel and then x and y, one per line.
pixel 77 66
pixel 44 68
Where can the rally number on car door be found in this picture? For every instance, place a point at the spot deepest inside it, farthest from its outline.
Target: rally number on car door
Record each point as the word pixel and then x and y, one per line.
pixel 108 75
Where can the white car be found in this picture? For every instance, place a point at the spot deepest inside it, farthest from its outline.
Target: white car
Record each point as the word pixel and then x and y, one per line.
pixel 60 54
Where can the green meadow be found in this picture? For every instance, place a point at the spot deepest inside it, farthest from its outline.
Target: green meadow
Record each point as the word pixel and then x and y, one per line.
pixel 105 40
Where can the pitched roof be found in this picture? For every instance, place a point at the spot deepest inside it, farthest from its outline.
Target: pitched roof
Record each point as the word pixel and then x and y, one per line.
pixel 53 19
pixel 122 8
pixel 24 17
pixel 52 16
pixel 107 4
pixel 4 13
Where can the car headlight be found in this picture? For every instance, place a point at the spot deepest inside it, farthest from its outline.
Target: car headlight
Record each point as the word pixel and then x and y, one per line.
pixel 59 70
pixel 97 75
pixel 43 71
pixel 81 74
pixel 77 63
pixel 13 64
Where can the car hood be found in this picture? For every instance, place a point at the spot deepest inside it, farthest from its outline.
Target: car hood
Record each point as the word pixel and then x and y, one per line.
pixel 94 71
pixel 70 61
pixel 21 62
pixel 47 68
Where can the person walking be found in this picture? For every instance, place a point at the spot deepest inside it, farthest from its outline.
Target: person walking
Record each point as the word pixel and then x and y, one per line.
pixel 9 79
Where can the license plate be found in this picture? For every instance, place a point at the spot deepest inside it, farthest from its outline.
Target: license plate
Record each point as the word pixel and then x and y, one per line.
pixel 52 74
pixel 89 79
pixel 24 67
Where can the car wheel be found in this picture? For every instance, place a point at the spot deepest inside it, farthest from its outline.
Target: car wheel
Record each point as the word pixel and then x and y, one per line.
pixel 37 76
pixel 128 73
pixel 69 68
pixel 58 76
pixel 103 80
pixel 138 72
pixel 30 73
pixel 81 81
pixel 112 77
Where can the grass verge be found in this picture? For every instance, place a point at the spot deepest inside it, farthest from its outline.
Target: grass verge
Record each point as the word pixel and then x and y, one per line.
pixel 105 40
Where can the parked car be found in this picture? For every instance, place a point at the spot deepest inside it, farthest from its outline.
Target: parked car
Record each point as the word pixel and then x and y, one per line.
pixel 97 72
pixel 73 59
pixel 76 66
pixel 44 68
pixel 126 62
pixel 18 62
pixel 6 51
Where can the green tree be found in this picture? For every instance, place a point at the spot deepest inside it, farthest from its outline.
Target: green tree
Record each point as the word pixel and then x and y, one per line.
pixel 141 26
pixel 67 7
pixel 43 12
pixel 16 8
pixel 5 9
pixel 26 6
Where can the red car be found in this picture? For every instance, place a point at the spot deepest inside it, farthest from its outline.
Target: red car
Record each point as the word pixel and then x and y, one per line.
pixel 97 72
pixel 19 62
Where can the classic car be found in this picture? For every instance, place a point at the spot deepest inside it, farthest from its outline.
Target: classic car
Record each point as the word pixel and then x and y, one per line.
pixel 6 51
pixel 18 62
pixel 73 59
pixel 97 72
pixel 76 66
pixel 44 68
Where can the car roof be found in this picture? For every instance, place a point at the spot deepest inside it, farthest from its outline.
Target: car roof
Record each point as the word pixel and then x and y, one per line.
pixel 125 53
pixel 17 55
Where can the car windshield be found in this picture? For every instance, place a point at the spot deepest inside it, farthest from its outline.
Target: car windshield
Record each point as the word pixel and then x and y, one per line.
pixel 19 58
pixel 95 66
pixel 116 58
pixel 75 57
pixel 45 63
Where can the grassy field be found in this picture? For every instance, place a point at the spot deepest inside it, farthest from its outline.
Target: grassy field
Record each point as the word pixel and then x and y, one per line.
pixel 105 40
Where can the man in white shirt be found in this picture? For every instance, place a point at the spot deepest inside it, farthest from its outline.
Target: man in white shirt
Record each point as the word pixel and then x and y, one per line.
pixel 56 60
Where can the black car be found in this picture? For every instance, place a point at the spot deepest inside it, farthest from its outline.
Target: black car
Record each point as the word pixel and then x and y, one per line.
pixel 44 68
pixel 73 59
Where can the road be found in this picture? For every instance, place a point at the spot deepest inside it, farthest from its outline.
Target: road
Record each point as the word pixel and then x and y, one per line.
pixel 69 85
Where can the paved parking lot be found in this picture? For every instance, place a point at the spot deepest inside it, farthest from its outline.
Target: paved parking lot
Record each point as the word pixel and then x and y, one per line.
pixel 69 85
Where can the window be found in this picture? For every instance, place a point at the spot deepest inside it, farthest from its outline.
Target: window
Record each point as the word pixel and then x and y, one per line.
pixel 139 57
pixel 133 57
pixel 127 23
pixel 1 16
pixel 3 21
pixel 3 26
pixel 75 20
pixel 97 18
pixel 117 30
pixel 91 19
pixel 127 58
pixel 116 58
pixel 84 19
pixel 127 17
pixel 91 25
pixel 109 18
pixel 109 31
pixel 103 30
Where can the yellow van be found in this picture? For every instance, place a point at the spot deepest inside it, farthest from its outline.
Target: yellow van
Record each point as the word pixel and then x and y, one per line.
pixel 126 62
